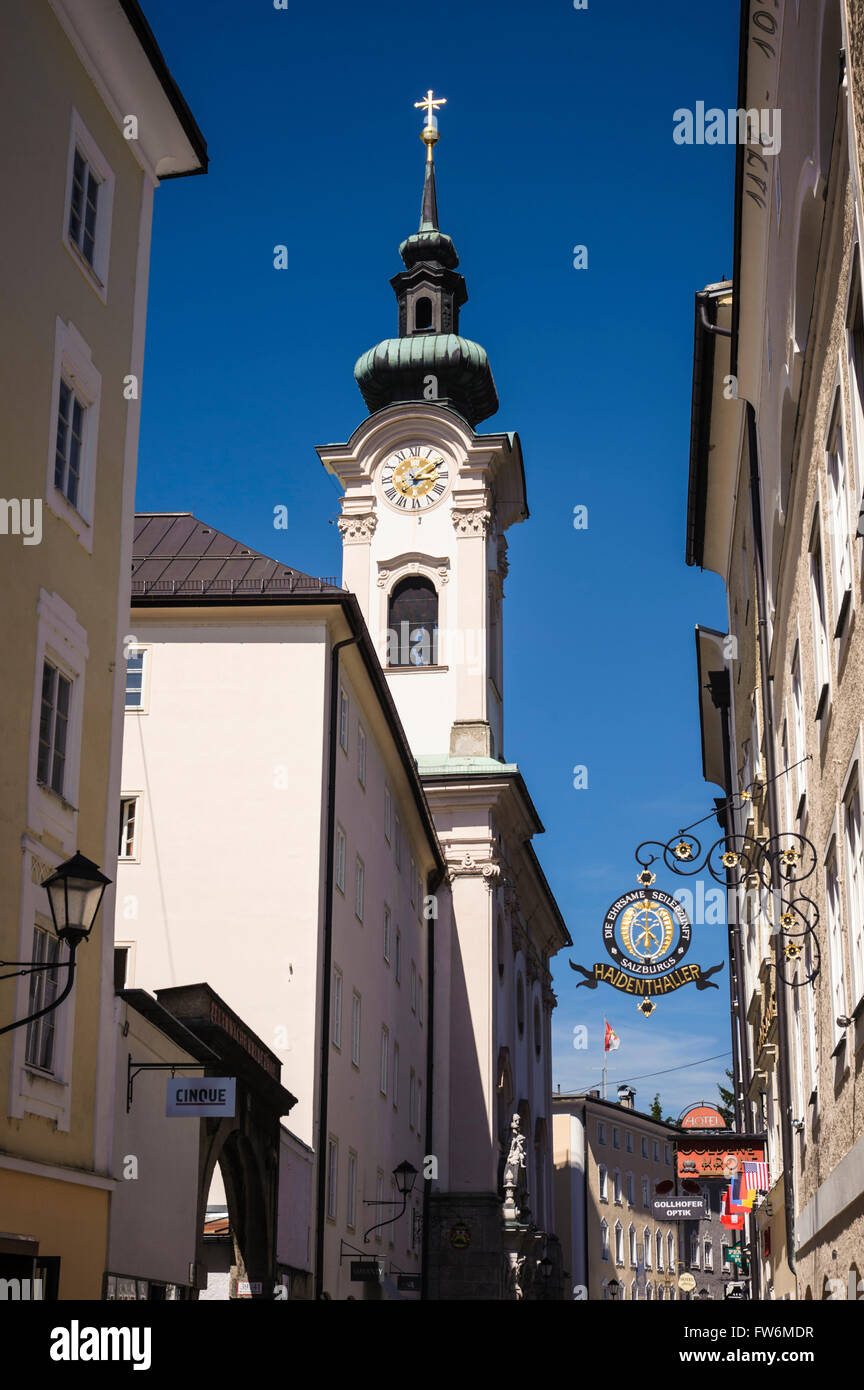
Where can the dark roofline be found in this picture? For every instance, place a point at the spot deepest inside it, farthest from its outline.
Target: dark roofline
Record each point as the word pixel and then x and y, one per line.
pixel 167 1023
pixel 336 598
pixel 145 36
pixel 740 151
pixel 619 1109
pixel 700 427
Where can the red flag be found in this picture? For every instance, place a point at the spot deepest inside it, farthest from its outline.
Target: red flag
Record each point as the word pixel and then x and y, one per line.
pixel 611 1040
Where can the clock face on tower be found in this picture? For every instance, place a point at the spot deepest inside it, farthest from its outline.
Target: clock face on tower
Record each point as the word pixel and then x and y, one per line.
pixel 415 477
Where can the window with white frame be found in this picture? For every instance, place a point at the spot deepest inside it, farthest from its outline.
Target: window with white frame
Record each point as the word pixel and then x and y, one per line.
pixel 355 1028
pixel 39 1050
pixel 670 1250
pixel 88 205
pixel 135 678
pixel 601 1132
pixel 336 1024
pixel 359 887
pixel 667 1153
pixel 835 943
pixel 656 1151
pixel 604 1239
pixel 344 712
pixel 659 1242
pixel 644 1148
pixel 616 1137
pixel 388 814
pixel 819 611
pixel 395 1076
pixel 694 1250
pixel 351 1214
pixel 602 1180
pixel 340 859
pixel 708 1255
pixel 854 855
pixel 785 781
pixel 53 728
pixel 838 513
pixel 361 755
pixel 616 1187
pixel 798 1055
pixel 647 1247
pixel 631 1238
pixel 128 846
pixel 646 1193
pixel 619 1243
pixel 726 1262
pixel 387 932
pixel 74 432
pixel 629 1189
pixel 628 1141
pixel 385 1059
pixel 332 1177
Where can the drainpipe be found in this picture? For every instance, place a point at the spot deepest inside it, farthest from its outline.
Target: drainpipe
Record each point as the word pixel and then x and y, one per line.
pixel 785 1089
pixel 326 967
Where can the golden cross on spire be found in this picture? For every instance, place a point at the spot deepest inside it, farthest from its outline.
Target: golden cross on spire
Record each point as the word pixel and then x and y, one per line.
pixel 429 133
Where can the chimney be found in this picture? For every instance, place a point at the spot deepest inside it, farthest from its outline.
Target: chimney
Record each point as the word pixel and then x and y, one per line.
pixel 595 1095
pixel 627 1096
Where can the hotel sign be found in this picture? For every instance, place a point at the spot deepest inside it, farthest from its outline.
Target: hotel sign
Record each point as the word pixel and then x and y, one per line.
pixel 647 935
pixel 199 1099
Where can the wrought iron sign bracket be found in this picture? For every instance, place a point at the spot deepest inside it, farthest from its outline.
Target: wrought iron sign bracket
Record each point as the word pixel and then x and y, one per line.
pixel 133 1068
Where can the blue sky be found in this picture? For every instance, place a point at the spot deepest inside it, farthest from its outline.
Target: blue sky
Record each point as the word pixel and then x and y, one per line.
pixel 557 132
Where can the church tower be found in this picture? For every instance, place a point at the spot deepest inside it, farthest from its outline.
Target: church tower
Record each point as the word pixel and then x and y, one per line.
pixel 427 503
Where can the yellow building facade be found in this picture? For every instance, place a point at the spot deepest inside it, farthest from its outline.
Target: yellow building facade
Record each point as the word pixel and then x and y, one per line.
pixel 89 138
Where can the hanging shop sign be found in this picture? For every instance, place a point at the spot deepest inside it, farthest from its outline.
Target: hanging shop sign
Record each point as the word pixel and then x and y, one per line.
pixel 718 1155
pixel 686 1282
pixel 702 1116
pixel 199 1099
pixel 679 1209
pixel 365 1272
pixel 647 934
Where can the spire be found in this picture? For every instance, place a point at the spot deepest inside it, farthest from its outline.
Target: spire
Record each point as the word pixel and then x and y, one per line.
pixel 430 137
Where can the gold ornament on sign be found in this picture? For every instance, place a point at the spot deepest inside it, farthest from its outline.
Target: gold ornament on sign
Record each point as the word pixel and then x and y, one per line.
pixel 683 850
pixel 646 878
pixel 790 856
pixel 730 859
pixel 636 930
pixel 792 950
pixel 646 1007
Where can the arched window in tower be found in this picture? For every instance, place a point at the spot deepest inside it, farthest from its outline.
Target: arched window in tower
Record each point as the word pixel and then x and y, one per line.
pixel 422 314
pixel 412 627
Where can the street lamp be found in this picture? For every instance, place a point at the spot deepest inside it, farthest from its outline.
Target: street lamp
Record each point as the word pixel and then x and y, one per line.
pixel 404 1176
pixel 614 1288
pixel 75 893
pixel 546 1267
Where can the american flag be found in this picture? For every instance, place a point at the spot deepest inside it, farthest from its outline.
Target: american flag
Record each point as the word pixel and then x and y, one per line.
pixel 754 1178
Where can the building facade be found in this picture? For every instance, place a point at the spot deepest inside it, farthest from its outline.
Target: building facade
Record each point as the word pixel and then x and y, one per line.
pixel 611 1162
pixel 776 482
pixel 307 895
pixel 111 125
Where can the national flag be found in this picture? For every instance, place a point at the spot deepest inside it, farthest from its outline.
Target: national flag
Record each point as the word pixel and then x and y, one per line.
pixel 612 1041
pixel 732 1220
pixel 736 1195
pixel 754 1179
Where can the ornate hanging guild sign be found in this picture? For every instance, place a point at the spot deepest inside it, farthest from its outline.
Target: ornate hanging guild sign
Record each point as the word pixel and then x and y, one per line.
pixel 647 935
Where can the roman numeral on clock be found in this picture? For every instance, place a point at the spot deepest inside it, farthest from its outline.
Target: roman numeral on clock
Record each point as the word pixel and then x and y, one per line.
pixel 390 492
pixel 401 501
pixel 438 489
